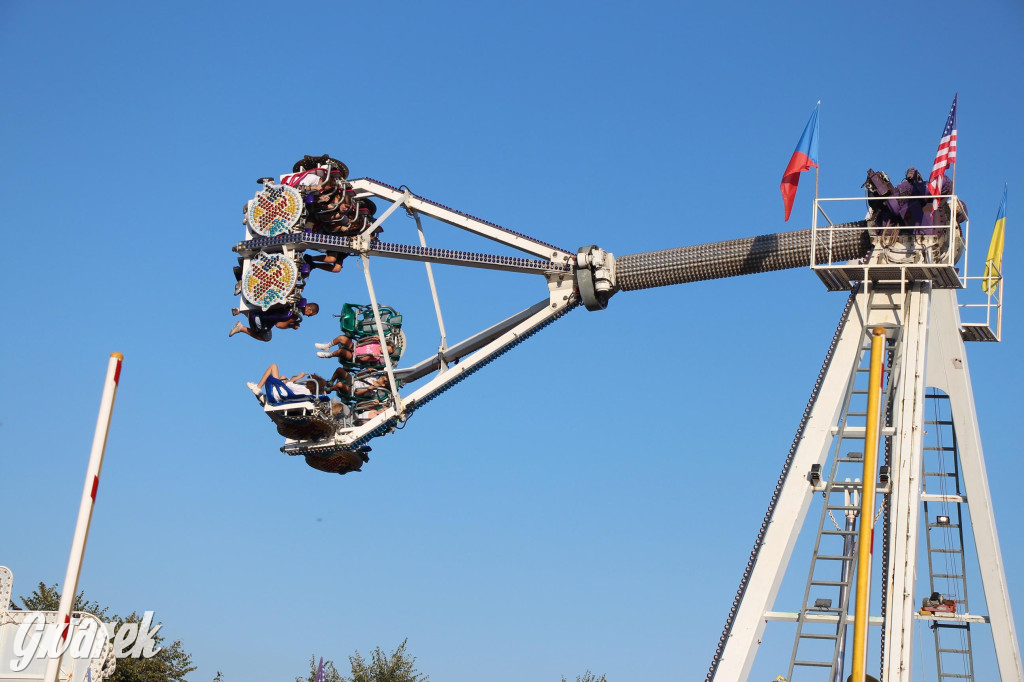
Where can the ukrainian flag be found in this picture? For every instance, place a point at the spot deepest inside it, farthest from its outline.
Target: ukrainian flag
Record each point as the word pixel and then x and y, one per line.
pixel 994 260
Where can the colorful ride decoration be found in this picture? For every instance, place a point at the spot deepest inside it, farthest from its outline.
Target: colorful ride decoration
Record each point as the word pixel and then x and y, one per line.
pixel 275 210
pixel 269 279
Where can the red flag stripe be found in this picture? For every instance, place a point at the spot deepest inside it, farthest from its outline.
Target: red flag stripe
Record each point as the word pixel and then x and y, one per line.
pixel 946 153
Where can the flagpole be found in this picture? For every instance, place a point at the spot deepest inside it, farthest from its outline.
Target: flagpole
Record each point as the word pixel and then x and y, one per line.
pixel 817 169
pixel 953 184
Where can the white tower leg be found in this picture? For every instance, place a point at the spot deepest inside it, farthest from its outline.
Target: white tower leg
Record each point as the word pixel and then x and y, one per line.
pixel 740 647
pixel 905 477
pixel 929 321
pixel 947 371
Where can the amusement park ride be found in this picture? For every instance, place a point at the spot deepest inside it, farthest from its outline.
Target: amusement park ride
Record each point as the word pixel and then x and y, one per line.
pixel 889 434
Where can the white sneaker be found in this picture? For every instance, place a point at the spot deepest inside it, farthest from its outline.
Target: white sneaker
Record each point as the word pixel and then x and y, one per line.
pixel 323 354
pixel 237 328
pixel 253 387
pixel 322 346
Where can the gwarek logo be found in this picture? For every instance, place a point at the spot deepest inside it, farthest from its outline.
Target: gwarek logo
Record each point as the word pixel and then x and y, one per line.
pixel 35 639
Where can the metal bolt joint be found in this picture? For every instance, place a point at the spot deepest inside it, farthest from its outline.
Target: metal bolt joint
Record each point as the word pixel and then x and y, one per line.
pixel 595 276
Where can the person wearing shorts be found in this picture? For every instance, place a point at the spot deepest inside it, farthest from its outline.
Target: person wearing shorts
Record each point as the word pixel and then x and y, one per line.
pixel 263 322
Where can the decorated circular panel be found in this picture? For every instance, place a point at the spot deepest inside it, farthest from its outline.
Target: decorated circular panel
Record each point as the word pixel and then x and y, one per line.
pixel 268 279
pixel 275 210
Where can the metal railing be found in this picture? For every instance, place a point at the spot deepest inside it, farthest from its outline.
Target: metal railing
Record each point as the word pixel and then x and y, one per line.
pixel 896 246
pixel 981 316
pixel 939 252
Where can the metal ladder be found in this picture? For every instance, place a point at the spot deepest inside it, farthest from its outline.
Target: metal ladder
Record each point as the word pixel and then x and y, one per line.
pixel 944 536
pixel 820 643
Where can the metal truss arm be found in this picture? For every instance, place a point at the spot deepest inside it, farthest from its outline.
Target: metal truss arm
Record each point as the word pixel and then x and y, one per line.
pixel 422 254
pixel 463 221
pixel 488 345
pixel 467 346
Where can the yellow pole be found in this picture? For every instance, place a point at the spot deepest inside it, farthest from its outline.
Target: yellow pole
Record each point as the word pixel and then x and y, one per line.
pixel 867 508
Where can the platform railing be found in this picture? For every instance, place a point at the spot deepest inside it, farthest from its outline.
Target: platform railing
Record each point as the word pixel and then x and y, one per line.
pixel 981 313
pixel 899 252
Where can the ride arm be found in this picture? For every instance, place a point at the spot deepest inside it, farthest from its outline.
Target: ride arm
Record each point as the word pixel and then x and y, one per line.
pixel 600 275
pixel 478 351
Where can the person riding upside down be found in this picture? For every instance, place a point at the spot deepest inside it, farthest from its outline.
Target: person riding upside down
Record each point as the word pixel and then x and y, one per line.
pixel 263 322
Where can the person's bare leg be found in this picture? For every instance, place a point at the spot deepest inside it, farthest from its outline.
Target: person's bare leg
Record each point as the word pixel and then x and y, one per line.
pixel 340 380
pixel 240 328
pixel 328 263
pixel 272 371
pixel 344 346
pixel 333 263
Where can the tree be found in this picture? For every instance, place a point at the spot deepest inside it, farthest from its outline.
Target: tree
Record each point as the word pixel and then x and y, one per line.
pixel 46 598
pixel 398 666
pixel 171 664
pixel 330 672
pixel 395 667
pixel 588 677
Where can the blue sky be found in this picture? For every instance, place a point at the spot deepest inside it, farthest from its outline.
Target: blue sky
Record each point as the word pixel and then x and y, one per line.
pixel 588 501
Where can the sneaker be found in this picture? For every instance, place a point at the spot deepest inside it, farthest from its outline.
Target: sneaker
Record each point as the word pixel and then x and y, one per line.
pixel 238 288
pixel 237 328
pixel 234 311
pixel 322 346
pixel 253 387
pixel 323 354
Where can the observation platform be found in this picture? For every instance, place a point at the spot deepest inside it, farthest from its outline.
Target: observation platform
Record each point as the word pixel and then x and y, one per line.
pixel 903 254
pixel 899 254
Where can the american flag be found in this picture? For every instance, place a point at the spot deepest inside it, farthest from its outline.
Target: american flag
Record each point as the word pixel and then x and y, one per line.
pixel 946 155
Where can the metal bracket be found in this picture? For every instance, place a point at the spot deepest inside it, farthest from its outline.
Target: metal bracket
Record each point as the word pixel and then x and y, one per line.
pixel 595 276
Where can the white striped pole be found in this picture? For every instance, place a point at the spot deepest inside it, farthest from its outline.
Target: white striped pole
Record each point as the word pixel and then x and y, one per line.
pixel 92 482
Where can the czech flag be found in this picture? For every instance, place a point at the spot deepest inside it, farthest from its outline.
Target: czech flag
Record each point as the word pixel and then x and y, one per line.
pixel 804 158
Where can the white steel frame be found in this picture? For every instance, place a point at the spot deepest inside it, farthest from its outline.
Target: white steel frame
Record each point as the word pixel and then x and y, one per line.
pixel 470 353
pixel 933 356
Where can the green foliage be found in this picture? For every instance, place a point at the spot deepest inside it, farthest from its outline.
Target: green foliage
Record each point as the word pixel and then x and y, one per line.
pixel 398 666
pixel 395 667
pixel 171 664
pixel 330 672
pixel 588 677
pixel 46 598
